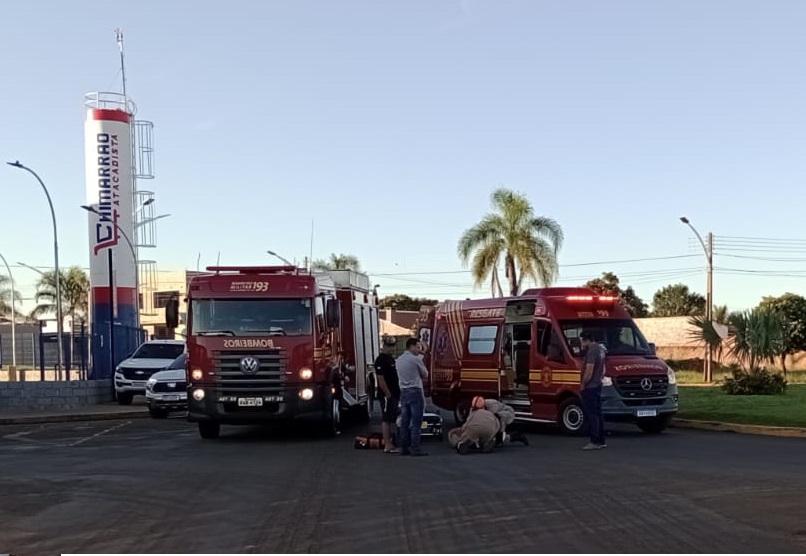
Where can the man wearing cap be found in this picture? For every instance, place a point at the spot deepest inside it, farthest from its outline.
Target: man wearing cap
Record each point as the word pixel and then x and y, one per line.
pixel 593 368
pixel 390 388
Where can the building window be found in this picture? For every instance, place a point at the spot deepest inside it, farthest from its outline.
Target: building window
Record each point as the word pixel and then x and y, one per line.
pixel 161 299
pixel 481 340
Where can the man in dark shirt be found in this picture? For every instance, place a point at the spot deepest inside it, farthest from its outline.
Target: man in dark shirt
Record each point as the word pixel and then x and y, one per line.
pixel 390 388
pixel 593 368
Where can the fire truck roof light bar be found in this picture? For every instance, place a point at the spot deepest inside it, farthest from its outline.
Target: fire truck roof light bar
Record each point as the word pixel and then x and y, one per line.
pixel 254 269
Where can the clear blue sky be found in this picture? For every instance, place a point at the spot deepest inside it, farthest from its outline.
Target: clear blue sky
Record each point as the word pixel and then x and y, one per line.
pixel 390 123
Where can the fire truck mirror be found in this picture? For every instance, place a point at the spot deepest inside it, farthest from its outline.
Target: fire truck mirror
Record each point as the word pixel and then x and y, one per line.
pixel 172 313
pixel 333 313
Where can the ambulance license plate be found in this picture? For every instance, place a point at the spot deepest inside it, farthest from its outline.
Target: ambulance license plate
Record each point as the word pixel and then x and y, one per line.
pixel 250 402
pixel 646 413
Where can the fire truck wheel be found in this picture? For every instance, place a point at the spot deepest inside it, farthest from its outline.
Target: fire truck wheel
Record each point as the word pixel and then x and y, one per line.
pixel 332 420
pixel 460 412
pixel 654 425
pixel 125 398
pixel 209 429
pixel 571 417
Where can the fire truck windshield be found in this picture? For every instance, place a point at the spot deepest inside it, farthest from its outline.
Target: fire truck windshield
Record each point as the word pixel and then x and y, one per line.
pixel 620 337
pixel 251 317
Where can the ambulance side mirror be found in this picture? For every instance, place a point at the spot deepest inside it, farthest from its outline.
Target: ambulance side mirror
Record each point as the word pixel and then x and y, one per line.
pixel 333 313
pixel 652 348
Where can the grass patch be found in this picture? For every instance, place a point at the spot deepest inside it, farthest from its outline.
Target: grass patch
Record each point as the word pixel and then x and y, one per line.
pixel 712 404
pixel 694 376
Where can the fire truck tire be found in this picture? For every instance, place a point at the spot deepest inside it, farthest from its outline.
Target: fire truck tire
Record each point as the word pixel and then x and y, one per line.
pixel 460 412
pixel 571 416
pixel 209 429
pixel 332 419
pixel 125 398
pixel 655 425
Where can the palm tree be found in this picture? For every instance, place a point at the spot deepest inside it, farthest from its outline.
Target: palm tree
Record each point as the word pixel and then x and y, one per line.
pixel 527 243
pixel 75 293
pixel 5 297
pixel 338 262
pixel 757 337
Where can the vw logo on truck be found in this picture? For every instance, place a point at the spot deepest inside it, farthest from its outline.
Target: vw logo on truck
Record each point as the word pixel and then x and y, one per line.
pixel 249 365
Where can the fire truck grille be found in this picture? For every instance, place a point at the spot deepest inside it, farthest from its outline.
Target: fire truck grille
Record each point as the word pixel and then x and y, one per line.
pixel 642 387
pixel 268 377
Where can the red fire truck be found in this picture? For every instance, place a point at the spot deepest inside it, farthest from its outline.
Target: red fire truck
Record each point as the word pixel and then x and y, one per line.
pixel 526 351
pixel 267 343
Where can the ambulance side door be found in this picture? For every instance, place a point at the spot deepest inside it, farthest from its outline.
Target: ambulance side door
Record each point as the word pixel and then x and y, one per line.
pixel 550 371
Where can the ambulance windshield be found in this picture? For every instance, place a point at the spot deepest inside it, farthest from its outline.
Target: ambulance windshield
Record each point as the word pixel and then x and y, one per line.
pixel 620 337
pixel 251 317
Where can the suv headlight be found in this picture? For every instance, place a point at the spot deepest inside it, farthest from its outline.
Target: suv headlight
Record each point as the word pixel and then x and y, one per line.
pixel 150 384
pixel 607 381
pixel 671 375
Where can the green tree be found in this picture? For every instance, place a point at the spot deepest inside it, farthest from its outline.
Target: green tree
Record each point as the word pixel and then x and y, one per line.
pixel 5 297
pixel 757 337
pixel 792 308
pixel 676 300
pixel 338 262
pixel 403 302
pixel 608 284
pixel 720 314
pixel 528 244
pixel 75 288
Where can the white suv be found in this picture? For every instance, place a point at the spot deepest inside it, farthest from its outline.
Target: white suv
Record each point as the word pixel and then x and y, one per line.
pixel 132 373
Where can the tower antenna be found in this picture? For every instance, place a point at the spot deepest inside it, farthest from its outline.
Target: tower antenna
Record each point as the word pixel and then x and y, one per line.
pixel 119 40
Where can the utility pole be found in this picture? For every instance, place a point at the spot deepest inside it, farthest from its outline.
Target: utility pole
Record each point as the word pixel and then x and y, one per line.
pixel 707 374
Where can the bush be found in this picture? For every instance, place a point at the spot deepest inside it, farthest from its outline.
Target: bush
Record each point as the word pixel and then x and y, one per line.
pixel 758 381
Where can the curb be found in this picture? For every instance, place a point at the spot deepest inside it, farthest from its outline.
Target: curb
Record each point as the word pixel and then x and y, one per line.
pixel 68 417
pixel 781 432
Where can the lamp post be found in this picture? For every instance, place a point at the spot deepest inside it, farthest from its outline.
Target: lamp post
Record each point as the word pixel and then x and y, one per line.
pixel 59 323
pixel 286 261
pixel 13 319
pixel 708 248
pixel 29 267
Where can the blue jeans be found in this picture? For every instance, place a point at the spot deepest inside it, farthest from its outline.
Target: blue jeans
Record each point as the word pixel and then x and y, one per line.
pixel 592 408
pixel 412 405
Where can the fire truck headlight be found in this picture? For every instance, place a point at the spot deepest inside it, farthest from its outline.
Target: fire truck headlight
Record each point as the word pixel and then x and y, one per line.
pixel 671 375
pixel 607 381
pixel 306 394
pixel 198 394
pixel 305 373
pixel 196 374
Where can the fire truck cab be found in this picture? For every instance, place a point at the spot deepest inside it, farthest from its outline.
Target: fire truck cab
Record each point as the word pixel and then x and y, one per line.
pixel 526 351
pixel 273 343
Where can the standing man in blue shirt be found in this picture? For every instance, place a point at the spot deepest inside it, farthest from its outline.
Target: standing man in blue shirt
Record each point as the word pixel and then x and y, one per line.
pixel 411 371
pixel 593 369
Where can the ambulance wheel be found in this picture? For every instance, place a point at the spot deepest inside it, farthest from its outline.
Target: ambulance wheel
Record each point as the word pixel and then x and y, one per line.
pixel 571 416
pixel 209 429
pixel 654 425
pixel 461 411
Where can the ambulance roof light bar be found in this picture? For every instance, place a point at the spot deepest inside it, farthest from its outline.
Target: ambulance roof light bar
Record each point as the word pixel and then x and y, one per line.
pixel 590 298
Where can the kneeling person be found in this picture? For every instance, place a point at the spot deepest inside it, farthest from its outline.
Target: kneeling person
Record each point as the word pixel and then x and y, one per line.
pixel 479 430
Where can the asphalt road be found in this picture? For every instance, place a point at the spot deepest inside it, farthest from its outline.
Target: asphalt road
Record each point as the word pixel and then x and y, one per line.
pixel 154 486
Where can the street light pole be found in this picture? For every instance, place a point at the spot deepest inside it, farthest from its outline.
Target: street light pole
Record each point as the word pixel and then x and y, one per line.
pixel 286 261
pixel 708 248
pixel 13 318
pixel 59 323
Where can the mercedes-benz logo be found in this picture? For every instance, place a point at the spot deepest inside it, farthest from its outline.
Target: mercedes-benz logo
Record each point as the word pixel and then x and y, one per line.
pixel 249 365
pixel 646 383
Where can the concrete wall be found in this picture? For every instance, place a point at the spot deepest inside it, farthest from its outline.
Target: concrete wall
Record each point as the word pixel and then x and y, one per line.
pixel 41 396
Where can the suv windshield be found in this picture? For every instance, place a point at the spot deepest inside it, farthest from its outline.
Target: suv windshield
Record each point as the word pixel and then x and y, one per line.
pixel 251 317
pixel 158 351
pixel 620 337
